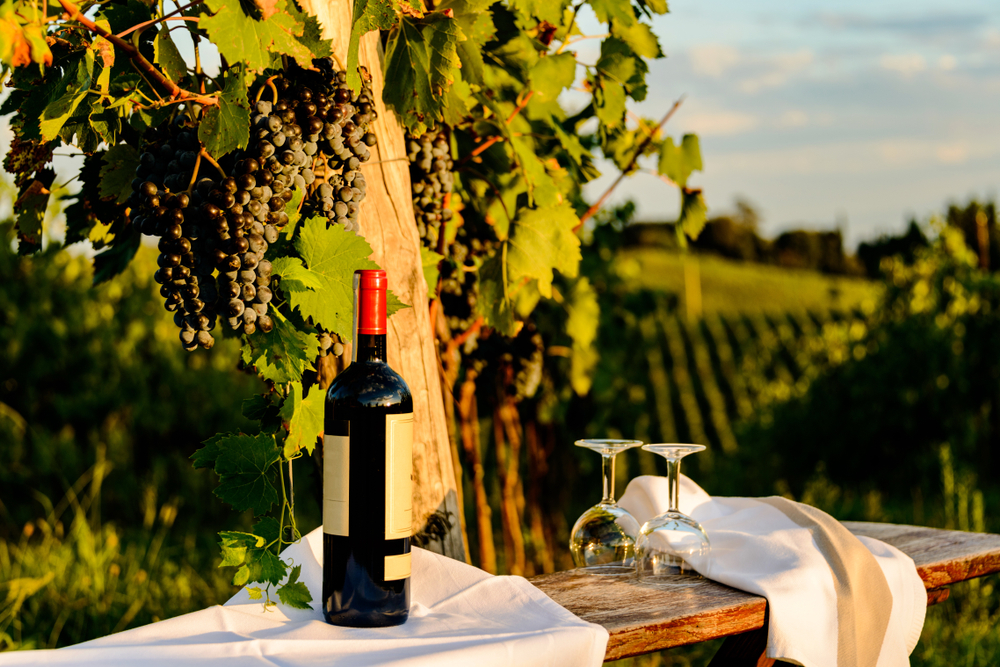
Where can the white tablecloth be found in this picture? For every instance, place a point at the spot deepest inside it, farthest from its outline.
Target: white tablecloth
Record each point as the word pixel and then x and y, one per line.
pixel 459 615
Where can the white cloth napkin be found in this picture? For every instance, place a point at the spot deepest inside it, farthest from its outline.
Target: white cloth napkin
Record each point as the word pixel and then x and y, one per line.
pixel 829 605
pixel 459 615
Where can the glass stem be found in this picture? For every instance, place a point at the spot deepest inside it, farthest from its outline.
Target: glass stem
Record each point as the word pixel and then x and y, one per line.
pixel 674 483
pixel 608 474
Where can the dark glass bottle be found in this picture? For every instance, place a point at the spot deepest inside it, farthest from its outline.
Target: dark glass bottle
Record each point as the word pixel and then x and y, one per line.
pixel 367 470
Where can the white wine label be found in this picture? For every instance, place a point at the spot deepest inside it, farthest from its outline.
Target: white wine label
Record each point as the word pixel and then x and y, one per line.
pixel 398 476
pixel 397 567
pixel 336 484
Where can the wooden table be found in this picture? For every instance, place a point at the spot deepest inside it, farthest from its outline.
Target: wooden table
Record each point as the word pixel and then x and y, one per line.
pixel 646 617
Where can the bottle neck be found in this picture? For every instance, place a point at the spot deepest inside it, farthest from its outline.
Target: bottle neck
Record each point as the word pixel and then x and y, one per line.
pixel 369 347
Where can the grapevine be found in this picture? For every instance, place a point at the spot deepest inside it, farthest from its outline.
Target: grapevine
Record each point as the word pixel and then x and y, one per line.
pixel 251 179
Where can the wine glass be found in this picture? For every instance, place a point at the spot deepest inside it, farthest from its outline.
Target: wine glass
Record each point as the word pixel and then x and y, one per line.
pixel 603 538
pixel 671 543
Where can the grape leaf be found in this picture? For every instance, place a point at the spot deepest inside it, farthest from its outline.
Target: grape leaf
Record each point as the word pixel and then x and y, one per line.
pixel 244 465
pixel 272 568
pixel 543 10
pixel 619 11
pixel 368 15
pixel 22 41
pixel 553 73
pixel 640 39
pixel 542 241
pixel 609 102
pixel 282 355
pixel 693 213
pixel 254 407
pixel 421 59
pixel 331 256
pixel 71 91
pixel 113 261
pixel 294 276
pixel 255 592
pixel 654 6
pixel 267 529
pixel 226 127
pixel 677 162
pixel 581 325
pixel 312 38
pixel 430 260
pixel 118 171
pixel 476 23
pixel 304 417
pixel 494 303
pixel 294 593
pixel 242 576
pixel 166 55
pixel 242 38
pixel 235 546
pixel 30 210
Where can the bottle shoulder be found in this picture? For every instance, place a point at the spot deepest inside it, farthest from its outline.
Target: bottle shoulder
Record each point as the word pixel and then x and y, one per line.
pixel 370 384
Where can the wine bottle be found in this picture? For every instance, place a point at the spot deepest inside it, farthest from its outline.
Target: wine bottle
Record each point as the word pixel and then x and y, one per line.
pixel 367 476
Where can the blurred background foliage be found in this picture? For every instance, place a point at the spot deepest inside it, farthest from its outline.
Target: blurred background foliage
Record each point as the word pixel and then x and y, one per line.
pixel 867 386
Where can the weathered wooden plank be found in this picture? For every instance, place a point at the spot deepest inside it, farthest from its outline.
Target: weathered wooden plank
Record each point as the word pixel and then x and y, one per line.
pixel 942 557
pixel 646 617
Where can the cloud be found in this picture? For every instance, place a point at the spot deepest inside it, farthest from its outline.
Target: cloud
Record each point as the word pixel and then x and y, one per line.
pixel 780 68
pixel 793 118
pixel 916 26
pixel 713 59
pixel 947 62
pixel 718 122
pixel 906 64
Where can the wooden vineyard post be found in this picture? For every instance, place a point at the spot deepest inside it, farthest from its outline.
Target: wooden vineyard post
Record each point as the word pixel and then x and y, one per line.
pixel 388 224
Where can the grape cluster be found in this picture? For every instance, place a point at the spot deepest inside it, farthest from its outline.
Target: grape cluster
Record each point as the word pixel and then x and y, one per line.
pixel 215 228
pixel 432 179
pixel 336 124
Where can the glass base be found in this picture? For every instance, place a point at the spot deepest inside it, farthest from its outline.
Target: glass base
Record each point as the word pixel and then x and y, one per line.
pixel 609 570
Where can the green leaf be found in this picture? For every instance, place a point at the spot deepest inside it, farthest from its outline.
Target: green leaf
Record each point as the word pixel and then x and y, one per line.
pixel 272 568
pixel 235 547
pixel 205 457
pixel 226 127
pixel 30 210
pixel 543 240
pixel 550 75
pixel 422 62
pixel 619 11
pixel 543 10
pixel 113 261
pixel 368 15
pixel 331 256
pixel 294 593
pixel 494 303
pixel 282 355
pixel 255 593
pixel 304 417
pixel 118 171
pixel 294 276
pixel 640 39
pixel 245 468
pixel 677 162
pixel 609 102
pixel 312 38
pixel 693 213
pixel 655 6
pixel 71 91
pixel 166 55
pixel 242 38
pixel 242 576
pixel 430 260
pixel 581 325
pixel 254 407
pixel 267 529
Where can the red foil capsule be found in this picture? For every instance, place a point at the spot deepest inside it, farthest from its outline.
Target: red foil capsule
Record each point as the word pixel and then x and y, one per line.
pixel 371 285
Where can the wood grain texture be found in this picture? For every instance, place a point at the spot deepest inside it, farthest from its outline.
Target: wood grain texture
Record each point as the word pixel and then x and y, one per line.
pixel 388 224
pixel 642 618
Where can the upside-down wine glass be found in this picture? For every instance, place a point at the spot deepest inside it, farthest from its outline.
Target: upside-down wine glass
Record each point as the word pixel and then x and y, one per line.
pixel 603 538
pixel 671 543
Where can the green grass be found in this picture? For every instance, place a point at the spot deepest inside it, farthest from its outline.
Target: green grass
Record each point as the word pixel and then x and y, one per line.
pixel 730 287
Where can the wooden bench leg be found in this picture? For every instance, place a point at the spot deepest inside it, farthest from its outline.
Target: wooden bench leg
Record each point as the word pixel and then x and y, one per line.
pixel 744 650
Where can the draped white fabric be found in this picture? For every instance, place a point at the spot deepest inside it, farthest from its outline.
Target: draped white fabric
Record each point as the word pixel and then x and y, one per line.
pixel 821 600
pixel 459 615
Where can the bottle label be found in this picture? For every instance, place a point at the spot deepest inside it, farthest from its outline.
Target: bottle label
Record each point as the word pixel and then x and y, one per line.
pixel 336 484
pixel 398 476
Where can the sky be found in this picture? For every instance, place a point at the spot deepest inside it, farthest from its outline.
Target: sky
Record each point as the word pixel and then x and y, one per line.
pixel 849 114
